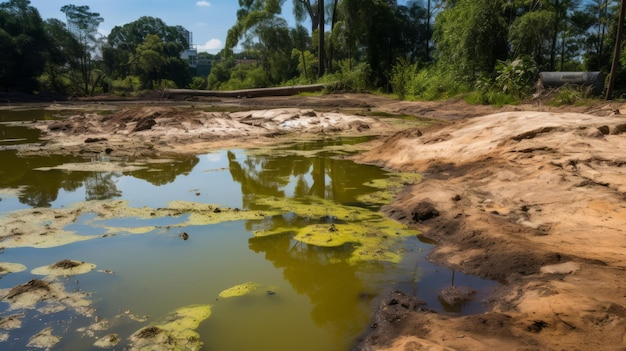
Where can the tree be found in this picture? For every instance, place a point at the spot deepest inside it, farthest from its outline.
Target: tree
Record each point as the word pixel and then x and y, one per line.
pixel 128 43
pixel 23 46
pixel 301 8
pixel 321 33
pixel 84 24
pixel 251 14
pixel 618 49
pixel 597 54
pixel 124 40
pixel 158 62
pixel 64 48
pixel 530 33
pixel 471 36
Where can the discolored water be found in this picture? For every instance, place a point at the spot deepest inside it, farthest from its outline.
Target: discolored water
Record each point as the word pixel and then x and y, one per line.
pixel 309 297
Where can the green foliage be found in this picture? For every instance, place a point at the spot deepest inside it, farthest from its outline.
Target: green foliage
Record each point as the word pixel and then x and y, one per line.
pixel 402 77
pixel 157 61
pixel 370 44
pixel 251 14
pixel 471 36
pixel 307 64
pixel 128 86
pixel 23 46
pixel 409 81
pixel 348 78
pixel 54 82
pixel 164 84
pixel 512 82
pixel 197 83
pixel 517 77
pixel 530 32
pixel 83 26
pixel 246 77
pixel 220 73
pixel 571 95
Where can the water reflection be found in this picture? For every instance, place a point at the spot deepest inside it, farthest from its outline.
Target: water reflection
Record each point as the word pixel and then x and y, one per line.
pixel 41 188
pixel 339 293
pixel 296 175
pixel 166 172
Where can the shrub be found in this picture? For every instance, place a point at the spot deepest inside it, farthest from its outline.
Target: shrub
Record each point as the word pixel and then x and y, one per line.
pixel 197 83
pixel 571 95
pixel 127 86
pixel 351 79
pixel 402 77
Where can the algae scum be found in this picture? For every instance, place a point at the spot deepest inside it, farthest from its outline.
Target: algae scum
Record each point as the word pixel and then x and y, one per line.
pixel 274 249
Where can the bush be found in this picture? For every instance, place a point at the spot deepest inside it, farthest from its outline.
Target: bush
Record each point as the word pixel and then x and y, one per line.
pixel 348 79
pixel 164 84
pixel 307 65
pixel 571 95
pixel 127 86
pixel 197 83
pixel 434 83
pixel 246 77
pixel 402 76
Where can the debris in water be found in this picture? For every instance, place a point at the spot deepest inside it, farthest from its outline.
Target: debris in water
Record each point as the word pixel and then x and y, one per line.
pixel 44 339
pixel 65 268
pixel 107 341
pixel 176 332
pixel 239 290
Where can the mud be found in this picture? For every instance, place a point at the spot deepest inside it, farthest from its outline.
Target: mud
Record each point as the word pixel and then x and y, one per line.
pixel 531 195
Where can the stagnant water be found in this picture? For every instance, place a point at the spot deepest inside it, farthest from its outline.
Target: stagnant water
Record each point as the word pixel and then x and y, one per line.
pixel 309 297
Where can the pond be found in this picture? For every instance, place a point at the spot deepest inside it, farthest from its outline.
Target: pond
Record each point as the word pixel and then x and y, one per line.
pixel 243 249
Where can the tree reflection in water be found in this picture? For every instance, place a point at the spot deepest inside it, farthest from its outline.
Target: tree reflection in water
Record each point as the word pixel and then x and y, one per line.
pixel 41 188
pixel 340 292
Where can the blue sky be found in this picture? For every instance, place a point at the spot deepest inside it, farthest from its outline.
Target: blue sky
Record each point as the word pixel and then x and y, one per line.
pixel 209 20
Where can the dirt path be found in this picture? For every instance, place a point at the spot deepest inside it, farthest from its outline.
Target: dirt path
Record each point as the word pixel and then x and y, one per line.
pixel 531 195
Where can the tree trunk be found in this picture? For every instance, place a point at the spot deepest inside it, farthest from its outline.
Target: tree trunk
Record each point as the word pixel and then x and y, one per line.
pixel 618 50
pixel 557 21
pixel 322 58
pixel 428 29
pixel 331 47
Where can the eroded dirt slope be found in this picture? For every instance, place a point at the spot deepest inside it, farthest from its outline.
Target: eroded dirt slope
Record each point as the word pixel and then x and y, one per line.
pixel 535 199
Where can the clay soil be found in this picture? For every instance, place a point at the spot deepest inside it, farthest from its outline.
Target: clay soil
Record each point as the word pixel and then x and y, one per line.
pixel 531 195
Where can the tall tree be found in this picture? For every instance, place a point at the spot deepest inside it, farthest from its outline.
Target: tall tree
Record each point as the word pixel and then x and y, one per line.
pixel 531 31
pixel 618 49
pixel 158 61
pixel 322 34
pixel 251 14
pixel 123 41
pixel 598 54
pixel 83 24
pixel 23 46
pixel 302 8
pixel 61 57
pixel 471 36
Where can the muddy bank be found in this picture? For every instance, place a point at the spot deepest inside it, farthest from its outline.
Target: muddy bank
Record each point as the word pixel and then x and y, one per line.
pixel 534 199
pixel 150 131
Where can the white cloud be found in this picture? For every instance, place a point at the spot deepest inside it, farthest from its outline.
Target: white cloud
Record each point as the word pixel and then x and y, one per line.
pixel 212 46
pixel 203 3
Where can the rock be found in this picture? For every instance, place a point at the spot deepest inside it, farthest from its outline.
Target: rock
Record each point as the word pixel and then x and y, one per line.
pixel 144 124
pixel 424 211
pixel 456 295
